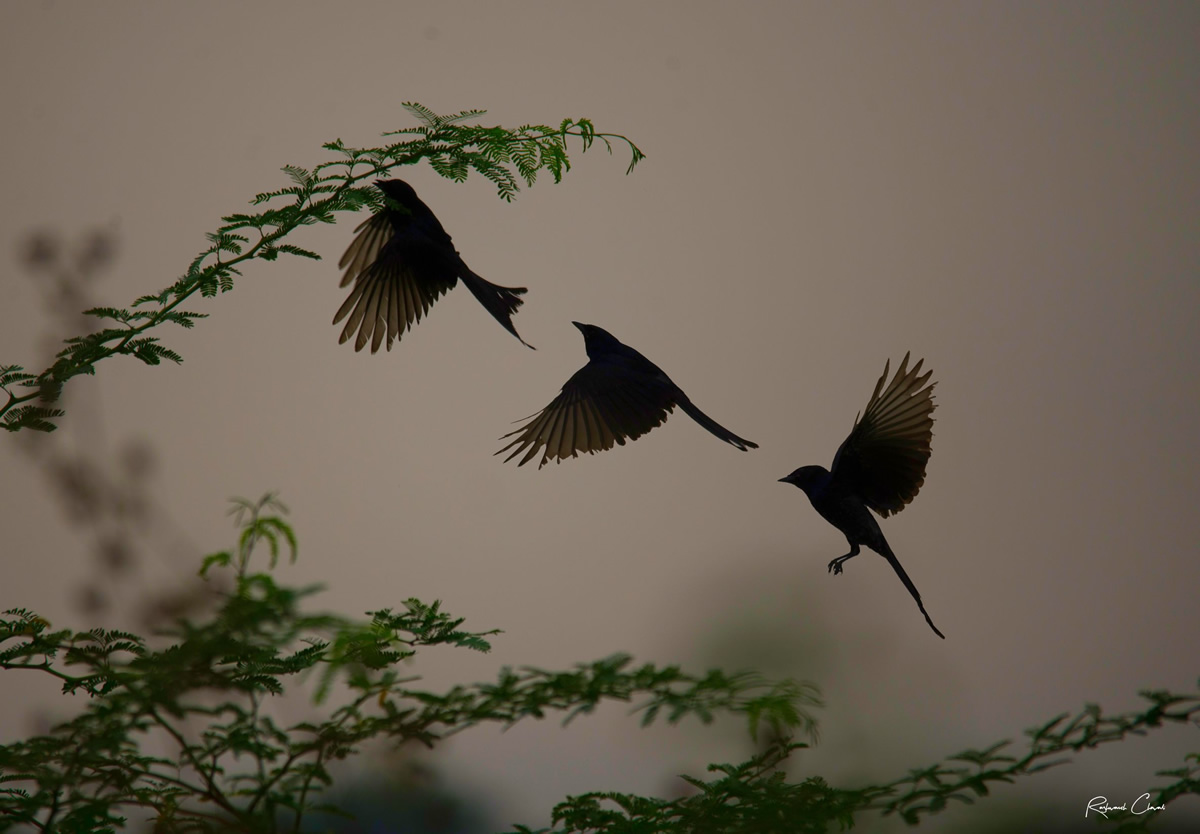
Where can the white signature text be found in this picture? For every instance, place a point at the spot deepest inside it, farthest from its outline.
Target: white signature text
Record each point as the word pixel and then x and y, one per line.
pixel 1141 805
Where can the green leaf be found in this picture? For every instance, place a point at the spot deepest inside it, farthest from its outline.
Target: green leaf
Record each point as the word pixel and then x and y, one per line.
pixel 221 559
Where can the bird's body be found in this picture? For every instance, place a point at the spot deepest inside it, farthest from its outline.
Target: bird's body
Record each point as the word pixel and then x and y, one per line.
pixel 400 263
pixel 880 466
pixel 843 509
pixel 618 395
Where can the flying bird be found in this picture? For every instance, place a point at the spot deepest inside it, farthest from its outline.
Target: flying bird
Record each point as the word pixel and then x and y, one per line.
pixel 881 465
pixel 401 262
pixel 618 395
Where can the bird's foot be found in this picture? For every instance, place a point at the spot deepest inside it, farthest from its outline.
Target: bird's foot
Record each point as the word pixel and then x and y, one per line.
pixel 835 567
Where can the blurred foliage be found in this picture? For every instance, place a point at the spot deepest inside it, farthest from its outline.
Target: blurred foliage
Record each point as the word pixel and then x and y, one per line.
pixel 178 731
pixel 506 157
pixel 755 796
pixel 104 487
pixel 201 690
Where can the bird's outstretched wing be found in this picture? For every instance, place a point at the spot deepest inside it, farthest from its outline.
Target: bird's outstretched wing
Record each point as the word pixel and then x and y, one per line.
pixel 598 407
pixel 387 298
pixel 883 460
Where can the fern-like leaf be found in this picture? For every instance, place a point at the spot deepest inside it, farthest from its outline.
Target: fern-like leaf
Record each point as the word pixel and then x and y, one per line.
pixel 34 417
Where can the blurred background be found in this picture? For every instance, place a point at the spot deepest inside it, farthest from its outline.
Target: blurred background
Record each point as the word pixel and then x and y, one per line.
pixel 1011 191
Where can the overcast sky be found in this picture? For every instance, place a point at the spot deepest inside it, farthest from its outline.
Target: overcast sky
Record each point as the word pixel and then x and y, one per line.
pixel 1011 191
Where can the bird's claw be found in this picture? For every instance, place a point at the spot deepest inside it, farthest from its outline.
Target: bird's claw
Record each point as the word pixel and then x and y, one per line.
pixel 835 567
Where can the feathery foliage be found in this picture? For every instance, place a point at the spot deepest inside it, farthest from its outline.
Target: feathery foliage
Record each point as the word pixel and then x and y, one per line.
pixel 178 730
pixel 506 157
pixel 756 796
pixel 203 693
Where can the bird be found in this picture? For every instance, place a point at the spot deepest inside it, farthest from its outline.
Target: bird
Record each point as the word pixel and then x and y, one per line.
pixel 400 262
pixel 880 466
pixel 618 395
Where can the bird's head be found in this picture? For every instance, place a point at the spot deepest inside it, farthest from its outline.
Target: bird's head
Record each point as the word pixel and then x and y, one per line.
pixel 595 337
pixel 398 190
pixel 808 478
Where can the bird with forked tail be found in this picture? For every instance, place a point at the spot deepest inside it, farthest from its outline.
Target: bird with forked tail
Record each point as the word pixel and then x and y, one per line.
pixel 618 395
pixel 880 466
pixel 400 263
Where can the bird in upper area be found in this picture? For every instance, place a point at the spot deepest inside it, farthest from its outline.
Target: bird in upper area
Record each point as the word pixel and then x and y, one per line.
pixel 401 262
pixel 618 395
pixel 881 465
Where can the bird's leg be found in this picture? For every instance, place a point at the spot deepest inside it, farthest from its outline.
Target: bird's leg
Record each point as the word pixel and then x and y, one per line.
pixel 835 567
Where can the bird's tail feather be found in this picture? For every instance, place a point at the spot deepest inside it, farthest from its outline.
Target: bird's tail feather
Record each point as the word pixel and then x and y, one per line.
pixel 908 583
pixel 501 302
pixel 713 426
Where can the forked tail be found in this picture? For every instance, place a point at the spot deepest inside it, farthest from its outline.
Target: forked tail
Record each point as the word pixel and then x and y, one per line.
pixel 912 589
pixel 501 302
pixel 713 426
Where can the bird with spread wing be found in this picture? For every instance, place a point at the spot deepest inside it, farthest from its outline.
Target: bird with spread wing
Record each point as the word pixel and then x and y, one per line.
pixel 400 263
pixel 880 466
pixel 618 395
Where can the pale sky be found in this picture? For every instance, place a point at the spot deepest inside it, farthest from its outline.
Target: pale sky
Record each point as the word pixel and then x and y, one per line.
pixel 1010 191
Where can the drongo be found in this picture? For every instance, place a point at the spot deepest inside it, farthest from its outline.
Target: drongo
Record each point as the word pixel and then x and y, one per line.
pixel 618 395
pixel 400 263
pixel 880 466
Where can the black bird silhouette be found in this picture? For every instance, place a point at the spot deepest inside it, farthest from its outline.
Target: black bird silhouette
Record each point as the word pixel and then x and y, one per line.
pixel 881 465
pixel 401 262
pixel 618 395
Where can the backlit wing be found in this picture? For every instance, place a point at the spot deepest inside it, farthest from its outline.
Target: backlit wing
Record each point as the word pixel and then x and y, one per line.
pixel 388 297
pixel 599 407
pixel 883 460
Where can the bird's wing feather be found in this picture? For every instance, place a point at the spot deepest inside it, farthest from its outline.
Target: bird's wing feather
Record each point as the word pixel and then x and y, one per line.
pixel 599 407
pixel 387 297
pixel 883 459
pixel 370 236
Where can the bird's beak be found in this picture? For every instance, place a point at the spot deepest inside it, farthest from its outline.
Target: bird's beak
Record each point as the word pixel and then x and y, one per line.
pixel 785 480
pixel 577 324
